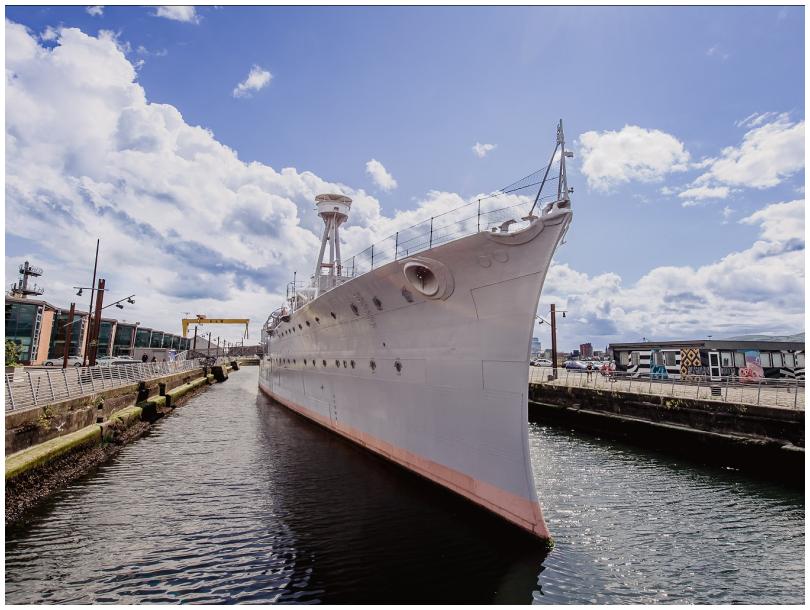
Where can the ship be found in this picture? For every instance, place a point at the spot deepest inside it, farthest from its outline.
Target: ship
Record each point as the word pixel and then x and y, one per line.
pixel 418 347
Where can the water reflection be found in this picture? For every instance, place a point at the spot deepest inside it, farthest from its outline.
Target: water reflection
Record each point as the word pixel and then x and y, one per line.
pixel 236 499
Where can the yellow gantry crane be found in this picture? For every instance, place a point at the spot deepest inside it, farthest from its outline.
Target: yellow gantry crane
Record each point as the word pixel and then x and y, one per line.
pixel 201 319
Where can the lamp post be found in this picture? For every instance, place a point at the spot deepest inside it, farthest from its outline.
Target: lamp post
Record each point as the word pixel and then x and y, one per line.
pixel 553 324
pixel 90 309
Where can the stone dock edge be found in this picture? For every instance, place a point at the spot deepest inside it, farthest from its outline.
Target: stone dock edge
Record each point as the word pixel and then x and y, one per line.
pixel 36 472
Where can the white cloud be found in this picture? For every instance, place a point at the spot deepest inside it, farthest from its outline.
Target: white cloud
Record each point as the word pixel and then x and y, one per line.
pixel 727 213
pixel 257 79
pixel 380 175
pixel 88 155
pixel 610 158
pixel 717 51
pixel 178 13
pixel 49 34
pixel 697 194
pixel 481 150
pixel 769 153
pixel 95 11
pixel 758 289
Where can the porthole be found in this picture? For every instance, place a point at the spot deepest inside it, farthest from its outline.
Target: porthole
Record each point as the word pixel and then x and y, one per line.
pixel 294 362
pixel 301 327
pixel 317 319
pixel 324 362
pixel 373 365
pixel 355 311
pixel 308 323
pixel 305 361
pixel 337 363
pixel 332 313
pixel 377 303
pixel 398 366
pixel 352 363
pixel 344 365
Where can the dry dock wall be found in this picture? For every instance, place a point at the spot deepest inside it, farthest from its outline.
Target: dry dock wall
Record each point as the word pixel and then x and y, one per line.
pixel 765 439
pixel 36 471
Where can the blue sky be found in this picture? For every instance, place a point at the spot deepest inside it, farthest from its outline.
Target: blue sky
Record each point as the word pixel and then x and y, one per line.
pixel 416 88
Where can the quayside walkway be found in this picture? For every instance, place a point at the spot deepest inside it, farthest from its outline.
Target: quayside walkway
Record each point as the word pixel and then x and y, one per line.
pixel 785 393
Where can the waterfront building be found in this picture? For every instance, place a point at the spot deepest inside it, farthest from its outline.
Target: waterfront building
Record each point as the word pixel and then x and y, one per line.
pixel 29 324
pixel 536 347
pixel 717 359
pixel 39 329
pixel 586 350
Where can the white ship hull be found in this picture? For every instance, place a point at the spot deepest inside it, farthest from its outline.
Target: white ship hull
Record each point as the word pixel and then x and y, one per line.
pixel 438 385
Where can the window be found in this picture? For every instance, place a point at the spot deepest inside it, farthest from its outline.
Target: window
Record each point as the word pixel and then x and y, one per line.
pixel 623 358
pixel 634 358
pixel 765 359
pixel 777 359
pixel 739 359
pixel 726 359
pixel 790 361
pixel 670 358
pixel 656 358
pixel 800 360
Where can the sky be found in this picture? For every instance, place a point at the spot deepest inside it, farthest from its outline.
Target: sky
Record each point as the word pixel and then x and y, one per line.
pixel 192 142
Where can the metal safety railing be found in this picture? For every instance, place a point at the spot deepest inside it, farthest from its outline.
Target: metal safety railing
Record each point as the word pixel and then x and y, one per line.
pixel 504 212
pixel 785 393
pixel 27 387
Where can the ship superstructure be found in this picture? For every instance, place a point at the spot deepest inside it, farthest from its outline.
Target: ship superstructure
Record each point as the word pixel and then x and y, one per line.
pixel 418 347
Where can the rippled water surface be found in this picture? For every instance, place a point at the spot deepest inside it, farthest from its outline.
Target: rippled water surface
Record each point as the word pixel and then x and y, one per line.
pixel 235 499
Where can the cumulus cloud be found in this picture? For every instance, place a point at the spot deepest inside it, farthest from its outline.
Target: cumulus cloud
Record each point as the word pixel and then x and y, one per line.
pixel 758 289
pixel 178 13
pixel 610 158
pixel 697 194
pixel 481 150
pixel 187 226
pixel 772 150
pixel 95 11
pixel 257 79
pixel 380 175
pixel 88 155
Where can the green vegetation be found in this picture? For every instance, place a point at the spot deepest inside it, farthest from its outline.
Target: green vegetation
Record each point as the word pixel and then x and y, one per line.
pixel 12 353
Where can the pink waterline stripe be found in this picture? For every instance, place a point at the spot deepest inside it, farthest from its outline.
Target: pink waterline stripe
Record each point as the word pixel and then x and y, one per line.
pixel 513 508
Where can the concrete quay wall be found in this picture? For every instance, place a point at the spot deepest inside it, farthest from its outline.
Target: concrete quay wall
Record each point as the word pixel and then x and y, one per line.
pixel 759 438
pixel 35 472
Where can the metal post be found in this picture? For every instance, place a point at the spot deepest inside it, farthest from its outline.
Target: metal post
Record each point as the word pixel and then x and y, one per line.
pixel 431 232
pixel 96 324
pixel 31 386
pixel 90 310
pixel 67 387
pixel 728 383
pixel 396 244
pixel 68 334
pixel 796 394
pixel 194 346
pixel 697 391
pixel 217 347
pixel 759 389
pixel 554 340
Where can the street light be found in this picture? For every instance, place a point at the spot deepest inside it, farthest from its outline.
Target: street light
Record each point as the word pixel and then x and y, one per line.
pixel 553 324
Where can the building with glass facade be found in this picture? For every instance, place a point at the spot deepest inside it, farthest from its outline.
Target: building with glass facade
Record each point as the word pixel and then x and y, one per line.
pixel 27 322
pixel 40 331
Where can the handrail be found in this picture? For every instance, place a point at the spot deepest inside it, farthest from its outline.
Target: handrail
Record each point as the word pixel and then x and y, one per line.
pixel 27 388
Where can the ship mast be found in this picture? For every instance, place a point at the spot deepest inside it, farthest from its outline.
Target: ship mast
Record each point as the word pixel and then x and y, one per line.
pixel 562 182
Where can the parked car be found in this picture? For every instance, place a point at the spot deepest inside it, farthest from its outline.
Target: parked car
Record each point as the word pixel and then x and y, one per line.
pixel 105 360
pixel 120 361
pixel 72 361
pixel 541 362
